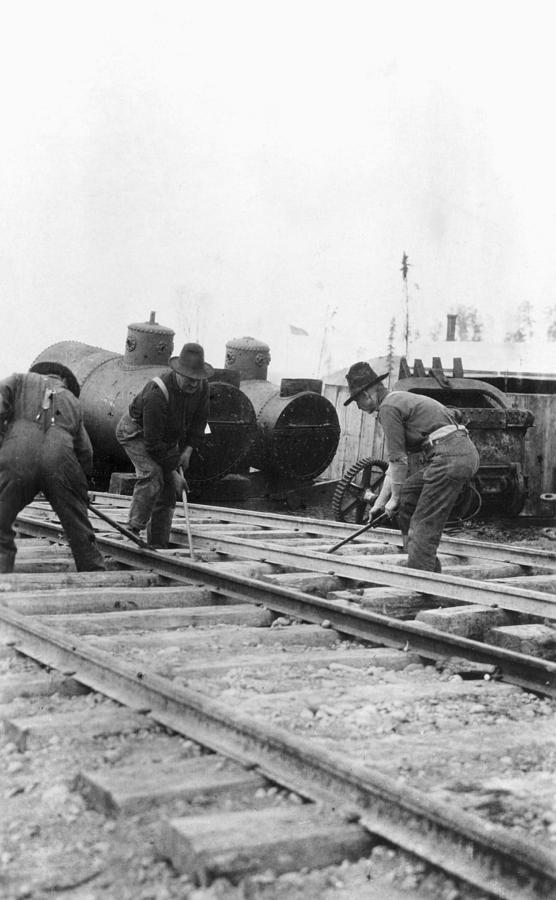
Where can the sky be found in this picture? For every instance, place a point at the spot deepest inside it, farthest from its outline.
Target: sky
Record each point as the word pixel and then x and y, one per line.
pixel 243 167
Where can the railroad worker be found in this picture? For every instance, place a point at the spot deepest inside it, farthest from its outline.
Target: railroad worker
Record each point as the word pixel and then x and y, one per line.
pixel 414 423
pixel 45 448
pixel 165 423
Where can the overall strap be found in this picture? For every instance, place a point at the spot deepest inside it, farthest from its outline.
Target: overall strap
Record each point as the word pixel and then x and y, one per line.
pixel 160 384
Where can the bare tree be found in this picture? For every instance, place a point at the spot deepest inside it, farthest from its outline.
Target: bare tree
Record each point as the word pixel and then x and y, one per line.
pixel 525 326
pixel 551 326
pixel 390 350
pixel 193 309
pixel 468 324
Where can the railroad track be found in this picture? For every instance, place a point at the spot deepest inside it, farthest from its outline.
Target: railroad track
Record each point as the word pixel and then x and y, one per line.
pixel 254 652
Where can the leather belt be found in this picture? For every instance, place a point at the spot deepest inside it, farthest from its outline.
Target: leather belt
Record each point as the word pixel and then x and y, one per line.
pixel 441 433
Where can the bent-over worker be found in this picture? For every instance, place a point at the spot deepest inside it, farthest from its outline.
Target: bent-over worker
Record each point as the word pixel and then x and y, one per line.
pixel 415 423
pixel 45 448
pixel 165 423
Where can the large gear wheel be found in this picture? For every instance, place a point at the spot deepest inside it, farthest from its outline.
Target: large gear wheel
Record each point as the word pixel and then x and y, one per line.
pixel 352 499
pixel 349 502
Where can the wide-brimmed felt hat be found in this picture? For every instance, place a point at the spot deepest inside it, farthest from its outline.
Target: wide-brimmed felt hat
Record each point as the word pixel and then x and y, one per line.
pixel 191 362
pixel 56 368
pixel 361 376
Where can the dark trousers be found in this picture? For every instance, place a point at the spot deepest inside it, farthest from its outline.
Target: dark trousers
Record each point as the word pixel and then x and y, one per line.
pixel 154 494
pixel 428 497
pixel 65 488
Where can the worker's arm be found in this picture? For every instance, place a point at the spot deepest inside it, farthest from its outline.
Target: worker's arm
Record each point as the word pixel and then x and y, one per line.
pixel 391 419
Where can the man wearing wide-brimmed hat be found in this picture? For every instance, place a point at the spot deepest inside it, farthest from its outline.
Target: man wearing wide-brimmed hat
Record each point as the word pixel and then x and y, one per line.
pixel 165 424
pixel 414 423
pixel 45 448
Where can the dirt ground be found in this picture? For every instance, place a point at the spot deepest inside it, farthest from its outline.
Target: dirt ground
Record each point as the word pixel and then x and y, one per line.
pixel 54 846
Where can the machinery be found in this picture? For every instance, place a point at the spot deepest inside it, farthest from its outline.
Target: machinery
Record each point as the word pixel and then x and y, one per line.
pixel 289 433
pixel 297 429
pixel 497 430
pixel 109 381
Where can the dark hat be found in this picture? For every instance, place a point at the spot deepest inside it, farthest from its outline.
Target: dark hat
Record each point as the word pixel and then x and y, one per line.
pixel 191 362
pixel 359 377
pixel 56 368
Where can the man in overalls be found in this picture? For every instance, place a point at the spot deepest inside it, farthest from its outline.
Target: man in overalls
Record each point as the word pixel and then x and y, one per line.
pixel 45 448
pixel 411 423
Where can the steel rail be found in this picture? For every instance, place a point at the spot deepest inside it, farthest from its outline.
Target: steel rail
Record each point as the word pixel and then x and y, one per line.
pixel 457 546
pixel 460 844
pixel 526 671
pixel 524 556
pixel 451 587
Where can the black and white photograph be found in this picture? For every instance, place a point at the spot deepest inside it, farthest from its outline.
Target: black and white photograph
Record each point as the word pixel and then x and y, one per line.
pixel 277 450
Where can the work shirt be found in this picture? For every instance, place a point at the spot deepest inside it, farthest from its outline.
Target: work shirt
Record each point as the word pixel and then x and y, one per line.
pixel 39 414
pixel 170 425
pixel 407 419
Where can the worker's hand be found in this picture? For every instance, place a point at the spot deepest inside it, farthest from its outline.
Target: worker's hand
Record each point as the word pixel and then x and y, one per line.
pixel 179 483
pixel 184 458
pixel 391 506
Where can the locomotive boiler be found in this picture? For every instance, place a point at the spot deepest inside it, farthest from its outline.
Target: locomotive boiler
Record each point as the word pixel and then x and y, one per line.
pixel 288 432
pixel 109 381
pixel 297 428
pixel 497 430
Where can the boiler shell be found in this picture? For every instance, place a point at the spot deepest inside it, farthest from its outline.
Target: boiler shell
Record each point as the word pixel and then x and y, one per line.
pixel 297 436
pixel 108 386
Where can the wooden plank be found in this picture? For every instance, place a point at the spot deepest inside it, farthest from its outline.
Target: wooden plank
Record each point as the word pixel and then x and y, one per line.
pixel 242 843
pixel 45 582
pixel 533 582
pixel 470 621
pixel 13 686
pixel 32 730
pixel 338 660
pixel 161 619
pixel 135 788
pixel 534 640
pixel 388 601
pixel 304 635
pixel 310 582
pixel 72 601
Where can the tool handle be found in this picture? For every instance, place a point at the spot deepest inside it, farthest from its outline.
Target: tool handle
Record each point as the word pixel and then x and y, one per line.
pixel 372 524
pixel 121 528
pixel 186 515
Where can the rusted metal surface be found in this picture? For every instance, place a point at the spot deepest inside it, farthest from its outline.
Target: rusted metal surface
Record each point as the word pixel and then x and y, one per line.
pixel 297 431
pixel 290 432
pixel 497 429
pixel 109 382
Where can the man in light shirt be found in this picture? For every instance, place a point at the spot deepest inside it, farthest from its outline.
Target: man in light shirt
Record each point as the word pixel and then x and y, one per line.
pixel 414 423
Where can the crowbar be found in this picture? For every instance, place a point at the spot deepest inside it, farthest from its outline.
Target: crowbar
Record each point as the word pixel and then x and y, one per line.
pixel 129 534
pixel 186 514
pixel 372 524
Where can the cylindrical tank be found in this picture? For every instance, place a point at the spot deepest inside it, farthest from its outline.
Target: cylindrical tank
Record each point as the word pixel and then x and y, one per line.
pixel 109 381
pixel 297 429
